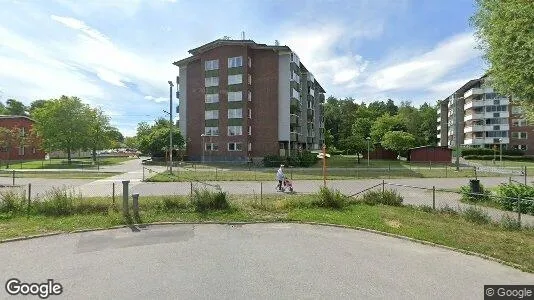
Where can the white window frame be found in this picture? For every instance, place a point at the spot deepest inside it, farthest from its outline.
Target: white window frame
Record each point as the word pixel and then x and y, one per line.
pixel 235 79
pixel 211 81
pixel 211 98
pixel 249 62
pixel 250 113
pixel 235 130
pixel 235 62
pixel 235 146
pixel 211 114
pixel 232 113
pixel 519 135
pixel 212 147
pixel 21 151
pixel 249 79
pixel 211 65
pixel 249 147
pixel 249 96
pixel 249 130
pixel 235 96
pixel 211 130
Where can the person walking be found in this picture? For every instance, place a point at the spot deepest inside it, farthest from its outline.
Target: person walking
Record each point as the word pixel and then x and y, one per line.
pixel 280 177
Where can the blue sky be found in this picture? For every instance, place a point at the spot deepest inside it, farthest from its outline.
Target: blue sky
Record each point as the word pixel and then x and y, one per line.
pixel 117 54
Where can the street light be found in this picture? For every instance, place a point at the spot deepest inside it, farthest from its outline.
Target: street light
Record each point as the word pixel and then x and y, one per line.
pixel 500 151
pixel 368 139
pixel 170 125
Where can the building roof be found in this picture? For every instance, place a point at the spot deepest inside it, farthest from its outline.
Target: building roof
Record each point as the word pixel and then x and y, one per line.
pixel 224 42
pixel 15 117
pixel 430 146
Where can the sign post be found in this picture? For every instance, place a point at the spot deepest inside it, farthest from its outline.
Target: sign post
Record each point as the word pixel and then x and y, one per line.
pixel 323 156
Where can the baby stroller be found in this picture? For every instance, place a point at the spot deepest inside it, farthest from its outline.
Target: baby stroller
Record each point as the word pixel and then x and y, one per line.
pixel 288 184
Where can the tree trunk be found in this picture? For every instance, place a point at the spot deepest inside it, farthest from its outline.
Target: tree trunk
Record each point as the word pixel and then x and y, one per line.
pixel 68 156
pixel 94 155
pixel 358 155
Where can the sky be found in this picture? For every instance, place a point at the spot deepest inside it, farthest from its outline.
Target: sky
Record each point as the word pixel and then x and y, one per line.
pixel 118 54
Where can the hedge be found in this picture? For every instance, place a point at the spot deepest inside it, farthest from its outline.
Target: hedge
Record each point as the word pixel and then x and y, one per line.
pixel 487 151
pixel 497 157
pixel 303 159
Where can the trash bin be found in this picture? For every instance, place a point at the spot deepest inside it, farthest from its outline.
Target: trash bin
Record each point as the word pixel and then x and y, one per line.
pixel 474 184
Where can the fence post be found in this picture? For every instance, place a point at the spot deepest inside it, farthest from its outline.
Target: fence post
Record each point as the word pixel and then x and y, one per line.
pixel 519 210
pixel 525 175
pixel 261 193
pixel 125 209
pixel 13 177
pixel 135 204
pixel 143 173
pixel 383 186
pixel 446 171
pixel 434 197
pixel 29 197
pixel 113 193
pixel 191 193
pixel 430 164
pixel 510 180
pixel 215 173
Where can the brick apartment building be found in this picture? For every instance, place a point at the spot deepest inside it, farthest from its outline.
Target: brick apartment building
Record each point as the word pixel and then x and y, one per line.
pixel 18 152
pixel 476 116
pixel 240 100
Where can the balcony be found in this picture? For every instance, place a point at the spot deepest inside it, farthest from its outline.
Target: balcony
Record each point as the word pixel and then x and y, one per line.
pixel 474 141
pixel 502 101
pixel 474 103
pixel 473 92
pixel 293 118
pixel 474 116
pixel 502 127
pixel 495 140
pixel 473 128
pixel 496 114
pixel 293 136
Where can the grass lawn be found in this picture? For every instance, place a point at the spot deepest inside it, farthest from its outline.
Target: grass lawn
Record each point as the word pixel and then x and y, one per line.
pixel 58 174
pixel 56 163
pixel 515 246
pixel 506 164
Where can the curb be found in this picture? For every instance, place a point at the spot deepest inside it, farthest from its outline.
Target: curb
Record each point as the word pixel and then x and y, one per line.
pixel 483 256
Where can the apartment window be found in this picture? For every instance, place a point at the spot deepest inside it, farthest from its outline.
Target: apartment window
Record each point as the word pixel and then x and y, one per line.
pixel 235 113
pixel 234 62
pixel 234 147
pixel 21 151
pixel 235 130
pixel 211 114
pixel 213 131
pixel 33 151
pixel 519 135
pixel 250 113
pixel 211 81
pixel 496 108
pixel 3 149
pixel 496 102
pixel 249 79
pixel 249 96
pixel 520 147
pixel 517 110
pixel 235 96
pixel 212 98
pixel 249 147
pixel 496 133
pixel 235 79
pixel 211 65
pixel 250 62
pixel 295 93
pixel 250 130
pixel 211 147
pixel 519 122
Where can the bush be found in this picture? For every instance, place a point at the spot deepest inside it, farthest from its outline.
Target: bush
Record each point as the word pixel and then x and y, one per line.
pixel 476 215
pixel 510 223
pixel 204 200
pixel 477 151
pixel 330 198
pixel 468 196
pixel 173 204
pixel 426 208
pixel 448 210
pixel 509 193
pixel 11 201
pixel 388 197
pixel 57 202
pixel 303 159
pixel 273 160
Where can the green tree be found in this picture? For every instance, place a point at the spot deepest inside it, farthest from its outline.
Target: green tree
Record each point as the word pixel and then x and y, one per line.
pixel 64 124
pixel 154 140
pixel 131 142
pixel 3 109
pixel 99 131
pixel 15 108
pixel 504 31
pixel 384 124
pixel 10 138
pixel 35 105
pixel 398 141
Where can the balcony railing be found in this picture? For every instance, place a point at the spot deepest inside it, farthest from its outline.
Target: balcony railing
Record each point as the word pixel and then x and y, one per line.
pixel 293 136
pixel 473 128
pixel 473 92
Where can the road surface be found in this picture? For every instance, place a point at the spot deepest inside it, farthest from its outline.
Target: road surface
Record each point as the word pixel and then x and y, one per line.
pixel 259 261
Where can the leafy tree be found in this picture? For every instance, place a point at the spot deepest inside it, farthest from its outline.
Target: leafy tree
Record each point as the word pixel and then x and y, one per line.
pixel 384 124
pixel 3 109
pixel 35 105
pixel 99 131
pixel 15 108
pixel 154 139
pixel 131 142
pixel 328 138
pixel 504 31
pixel 398 141
pixel 64 124
pixel 428 126
pixel 391 108
pixel 9 139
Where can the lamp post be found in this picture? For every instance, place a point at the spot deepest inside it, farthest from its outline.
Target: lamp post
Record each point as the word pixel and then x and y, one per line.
pixel 170 125
pixel 368 139
pixel 500 151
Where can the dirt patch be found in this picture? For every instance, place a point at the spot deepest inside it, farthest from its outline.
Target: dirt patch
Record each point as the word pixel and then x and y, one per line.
pixel 393 223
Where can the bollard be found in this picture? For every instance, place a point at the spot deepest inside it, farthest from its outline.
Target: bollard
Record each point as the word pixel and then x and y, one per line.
pixel 135 204
pixel 383 186
pixel 29 197
pixel 13 177
pixel 125 196
pixel 434 197
pixel 215 174
pixel 191 188
pixel 113 193
pixel 510 180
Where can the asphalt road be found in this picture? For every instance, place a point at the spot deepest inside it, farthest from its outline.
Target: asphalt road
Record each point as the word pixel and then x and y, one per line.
pixel 260 261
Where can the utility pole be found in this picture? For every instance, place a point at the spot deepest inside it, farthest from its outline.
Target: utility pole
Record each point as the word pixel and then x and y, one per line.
pixel 170 126
pixel 457 135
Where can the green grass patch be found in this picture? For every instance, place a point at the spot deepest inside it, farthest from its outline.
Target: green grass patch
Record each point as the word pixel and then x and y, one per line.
pixel 58 174
pixel 64 212
pixel 56 163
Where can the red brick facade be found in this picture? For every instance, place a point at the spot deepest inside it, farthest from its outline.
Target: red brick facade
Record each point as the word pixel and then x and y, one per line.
pixel 17 153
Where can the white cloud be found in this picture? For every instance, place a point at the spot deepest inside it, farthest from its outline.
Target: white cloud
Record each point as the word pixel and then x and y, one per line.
pixel 425 70
pixel 157 99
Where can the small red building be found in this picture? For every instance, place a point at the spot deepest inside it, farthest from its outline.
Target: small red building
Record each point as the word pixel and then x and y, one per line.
pixel 380 153
pixel 19 152
pixel 441 154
